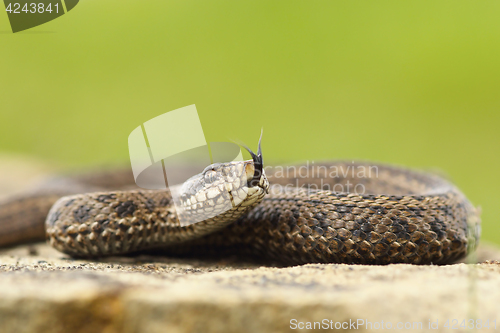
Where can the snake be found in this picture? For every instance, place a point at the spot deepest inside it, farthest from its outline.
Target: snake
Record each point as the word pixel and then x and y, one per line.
pixel 329 212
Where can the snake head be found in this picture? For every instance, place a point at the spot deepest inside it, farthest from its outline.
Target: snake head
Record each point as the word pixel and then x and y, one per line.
pixel 223 189
pixel 220 192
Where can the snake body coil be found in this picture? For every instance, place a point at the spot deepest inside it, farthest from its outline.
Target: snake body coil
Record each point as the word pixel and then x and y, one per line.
pixel 387 215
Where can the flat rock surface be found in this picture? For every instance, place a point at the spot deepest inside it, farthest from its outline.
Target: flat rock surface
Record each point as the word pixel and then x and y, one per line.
pixel 42 290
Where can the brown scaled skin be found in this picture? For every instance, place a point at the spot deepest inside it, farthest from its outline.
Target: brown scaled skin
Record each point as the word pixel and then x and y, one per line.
pixel 403 217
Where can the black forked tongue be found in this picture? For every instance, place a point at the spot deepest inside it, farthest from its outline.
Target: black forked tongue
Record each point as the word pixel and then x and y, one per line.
pixel 258 164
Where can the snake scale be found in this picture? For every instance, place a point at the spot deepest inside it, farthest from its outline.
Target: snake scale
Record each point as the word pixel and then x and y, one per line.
pixel 333 212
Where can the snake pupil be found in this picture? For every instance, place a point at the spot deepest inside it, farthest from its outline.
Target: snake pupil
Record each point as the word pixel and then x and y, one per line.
pixel 210 176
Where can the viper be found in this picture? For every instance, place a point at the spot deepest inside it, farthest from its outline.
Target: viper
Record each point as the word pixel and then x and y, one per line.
pixel 331 212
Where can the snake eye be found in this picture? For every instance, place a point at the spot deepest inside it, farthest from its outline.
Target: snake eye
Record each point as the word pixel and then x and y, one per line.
pixel 210 176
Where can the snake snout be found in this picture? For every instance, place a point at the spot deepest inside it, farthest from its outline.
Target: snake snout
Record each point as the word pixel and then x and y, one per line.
pixel 258 165
pixel 257 171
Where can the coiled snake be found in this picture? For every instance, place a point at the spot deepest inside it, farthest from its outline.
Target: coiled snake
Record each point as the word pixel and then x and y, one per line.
pixel 339 212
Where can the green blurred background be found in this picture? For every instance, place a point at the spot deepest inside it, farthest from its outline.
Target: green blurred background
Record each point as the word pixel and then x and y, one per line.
pixel 414 83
